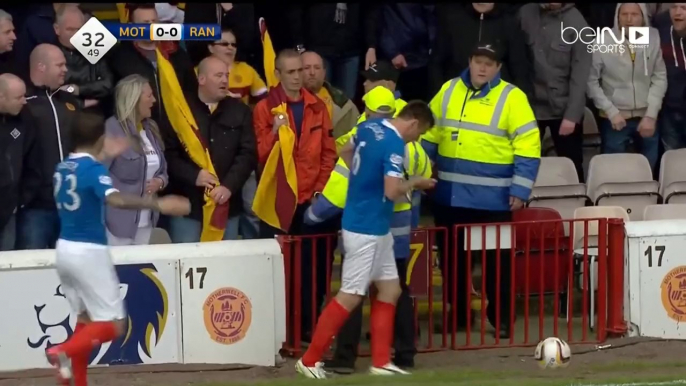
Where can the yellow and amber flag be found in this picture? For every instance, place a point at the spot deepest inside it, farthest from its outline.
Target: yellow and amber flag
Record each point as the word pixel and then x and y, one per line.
pixel 214 217
pixel 268 54
pixel 276 196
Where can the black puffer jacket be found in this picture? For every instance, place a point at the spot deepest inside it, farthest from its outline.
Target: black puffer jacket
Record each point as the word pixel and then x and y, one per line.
pixel 314 26
pixel 94 80
pixel 460 28
pixel 17 144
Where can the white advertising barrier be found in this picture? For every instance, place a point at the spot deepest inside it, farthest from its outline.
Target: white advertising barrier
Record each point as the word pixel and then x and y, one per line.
pixel 153 280
pixel 655 278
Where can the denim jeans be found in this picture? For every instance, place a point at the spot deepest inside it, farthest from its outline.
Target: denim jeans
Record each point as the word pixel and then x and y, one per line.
pixel 8 235
pixel 187 230
pixel 249 223
pixel 342 73
pixel 672 126
pixel 37 228
pixel 617 141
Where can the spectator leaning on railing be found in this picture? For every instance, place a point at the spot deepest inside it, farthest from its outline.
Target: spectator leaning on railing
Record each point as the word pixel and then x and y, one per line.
pixel 627 87
pixel 18 150
pixel 487 150
pixel 142 168
pixel 672 120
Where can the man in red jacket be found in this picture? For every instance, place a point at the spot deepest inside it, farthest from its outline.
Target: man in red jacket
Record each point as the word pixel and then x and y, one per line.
pixel 314 156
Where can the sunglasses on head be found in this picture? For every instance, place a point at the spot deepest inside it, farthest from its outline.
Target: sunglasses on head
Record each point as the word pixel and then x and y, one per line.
pixel 226 44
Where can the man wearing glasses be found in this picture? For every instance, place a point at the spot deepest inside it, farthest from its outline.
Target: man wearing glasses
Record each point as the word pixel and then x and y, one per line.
pixel 244 81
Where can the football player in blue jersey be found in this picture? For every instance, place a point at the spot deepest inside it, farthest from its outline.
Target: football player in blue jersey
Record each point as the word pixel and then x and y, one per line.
pixel 374 156
pixel 82 187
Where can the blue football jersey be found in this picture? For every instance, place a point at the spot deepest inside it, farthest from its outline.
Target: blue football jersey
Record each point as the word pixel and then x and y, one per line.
pixel 379 152
pixel 80 186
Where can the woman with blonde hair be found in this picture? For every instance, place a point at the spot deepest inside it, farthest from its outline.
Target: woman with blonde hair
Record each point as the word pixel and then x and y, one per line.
pixel 141 169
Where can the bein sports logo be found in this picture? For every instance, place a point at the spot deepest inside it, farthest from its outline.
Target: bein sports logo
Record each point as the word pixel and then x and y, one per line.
pixel 606 40
pixel 147 306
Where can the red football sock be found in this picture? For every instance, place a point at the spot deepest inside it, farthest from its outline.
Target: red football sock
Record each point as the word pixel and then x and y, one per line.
pixel 92 334
pixel 382 320
pixel 79 363
pixel 332 319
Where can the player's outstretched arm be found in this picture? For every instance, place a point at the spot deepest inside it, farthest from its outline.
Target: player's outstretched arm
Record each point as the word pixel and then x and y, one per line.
pixel 170 205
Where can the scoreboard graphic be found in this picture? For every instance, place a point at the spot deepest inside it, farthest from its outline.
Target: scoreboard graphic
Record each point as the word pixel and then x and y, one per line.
pixel 95 39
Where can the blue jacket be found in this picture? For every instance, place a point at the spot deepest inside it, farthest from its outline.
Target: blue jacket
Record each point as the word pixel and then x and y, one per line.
pixel 408 29
pixel 675 62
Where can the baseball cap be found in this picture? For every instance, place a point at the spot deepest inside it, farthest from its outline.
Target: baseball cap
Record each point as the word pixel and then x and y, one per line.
pixel 380 100
pixel 381 70
pixel 489 50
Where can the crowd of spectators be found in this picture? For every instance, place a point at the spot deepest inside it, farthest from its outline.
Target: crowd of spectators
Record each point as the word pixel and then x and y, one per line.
pixel 329 56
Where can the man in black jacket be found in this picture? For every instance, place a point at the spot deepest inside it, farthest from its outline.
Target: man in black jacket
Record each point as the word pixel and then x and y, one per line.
pixel 461 26
pixel 340 33
pixel 17 150
pixel 226 127
pixel 54 110
pixel 140 57
pixel 89 83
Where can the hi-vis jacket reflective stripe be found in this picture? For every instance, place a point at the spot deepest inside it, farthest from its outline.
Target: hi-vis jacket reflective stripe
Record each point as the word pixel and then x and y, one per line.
pixel 343 139
pixel 485 143
pixel 332 199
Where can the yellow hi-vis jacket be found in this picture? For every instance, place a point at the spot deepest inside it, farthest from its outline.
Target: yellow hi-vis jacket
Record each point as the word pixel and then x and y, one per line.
pixel 333 198
pixel 486 144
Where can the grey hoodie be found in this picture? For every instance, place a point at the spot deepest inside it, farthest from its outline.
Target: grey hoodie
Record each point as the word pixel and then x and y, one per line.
pixel 634 88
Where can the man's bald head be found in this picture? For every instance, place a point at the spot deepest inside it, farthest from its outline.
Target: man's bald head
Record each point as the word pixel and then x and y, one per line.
pixel 314 70
pixel 12 94
pixel 213 79
pixel 48 66
pixel 210 64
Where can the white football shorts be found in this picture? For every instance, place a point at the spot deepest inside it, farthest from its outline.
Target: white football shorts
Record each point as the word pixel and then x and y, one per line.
pixel 89 280
pixel 367 259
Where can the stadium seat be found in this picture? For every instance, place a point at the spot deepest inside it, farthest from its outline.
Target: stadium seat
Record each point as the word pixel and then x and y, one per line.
pixel 673 177
pixel 546 243
pixel 557 186
pixel 159 236
pixel 624 180
pixel 591 247
pixel 590 127
pixel 665 212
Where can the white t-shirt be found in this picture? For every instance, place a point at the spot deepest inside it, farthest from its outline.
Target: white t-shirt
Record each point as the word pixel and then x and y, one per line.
pixel 153 165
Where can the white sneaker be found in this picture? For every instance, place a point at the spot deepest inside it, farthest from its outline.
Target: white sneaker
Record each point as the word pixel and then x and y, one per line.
pixel 316 372
pixel 61 363
pixel 388 369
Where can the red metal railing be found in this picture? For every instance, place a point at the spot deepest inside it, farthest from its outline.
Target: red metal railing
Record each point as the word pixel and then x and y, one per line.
pixel 550 291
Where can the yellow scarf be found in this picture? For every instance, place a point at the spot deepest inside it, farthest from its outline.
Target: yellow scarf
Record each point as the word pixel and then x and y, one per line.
pixel 182 121
pixel 276 197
